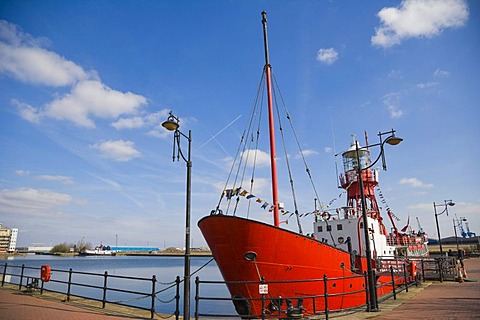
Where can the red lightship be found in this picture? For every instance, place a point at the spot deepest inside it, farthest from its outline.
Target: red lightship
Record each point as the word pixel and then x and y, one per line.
pixel 249 251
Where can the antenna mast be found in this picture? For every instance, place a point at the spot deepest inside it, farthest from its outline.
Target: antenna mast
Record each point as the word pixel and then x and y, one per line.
pixel 273 161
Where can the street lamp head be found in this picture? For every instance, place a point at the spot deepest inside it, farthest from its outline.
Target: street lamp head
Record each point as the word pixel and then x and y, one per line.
pixel 393 140
pixel 171 124
pixel 450 203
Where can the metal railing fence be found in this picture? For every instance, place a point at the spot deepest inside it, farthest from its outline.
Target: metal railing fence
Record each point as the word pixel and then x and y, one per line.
pixel 123 290
pixel 102 287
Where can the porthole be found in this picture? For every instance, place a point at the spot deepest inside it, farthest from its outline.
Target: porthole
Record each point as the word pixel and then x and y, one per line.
pixel 250 256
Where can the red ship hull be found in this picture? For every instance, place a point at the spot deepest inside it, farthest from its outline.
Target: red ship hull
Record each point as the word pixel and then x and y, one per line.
pixel 281 255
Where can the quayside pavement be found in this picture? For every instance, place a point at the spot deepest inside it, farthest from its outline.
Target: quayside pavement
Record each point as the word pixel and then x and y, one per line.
pixel 20 305
pixel 431 300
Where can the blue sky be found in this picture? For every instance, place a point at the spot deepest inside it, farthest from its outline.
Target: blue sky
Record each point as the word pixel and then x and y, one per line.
pixel 85 85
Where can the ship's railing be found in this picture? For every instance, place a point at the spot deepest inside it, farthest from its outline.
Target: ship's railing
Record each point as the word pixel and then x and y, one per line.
pixel 274 307
pixel 101 287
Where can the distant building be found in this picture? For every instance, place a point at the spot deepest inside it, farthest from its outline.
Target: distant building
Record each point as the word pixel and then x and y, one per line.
pixel 13 240
pixel 8 239
pixel 133 249
pixel 39 249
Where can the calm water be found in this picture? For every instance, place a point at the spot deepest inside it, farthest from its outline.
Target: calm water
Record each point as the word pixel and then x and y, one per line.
pixel 166 269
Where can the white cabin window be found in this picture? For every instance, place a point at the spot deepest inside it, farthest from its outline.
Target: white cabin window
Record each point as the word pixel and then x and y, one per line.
pixel 319 228
pixel 329 228
pixel 339 227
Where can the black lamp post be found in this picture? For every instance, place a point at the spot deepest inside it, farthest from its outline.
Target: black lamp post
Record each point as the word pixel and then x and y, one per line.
pixel 391 140
pixel 445 204
pixel 172 124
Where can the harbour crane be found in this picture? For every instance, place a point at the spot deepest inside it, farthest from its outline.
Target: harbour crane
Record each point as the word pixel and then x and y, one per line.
pixel 469 233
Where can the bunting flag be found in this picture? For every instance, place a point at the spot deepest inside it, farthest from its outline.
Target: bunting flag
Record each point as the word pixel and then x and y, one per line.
pixel 230 193
pixel 382 199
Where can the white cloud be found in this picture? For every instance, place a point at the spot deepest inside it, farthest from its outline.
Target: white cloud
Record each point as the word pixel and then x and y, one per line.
pixel 23 59
pixel 27 112
pixel 33 202
pixel 93 98
pixel 306 153
pixel 420 207
pixel 152 121
pixel 426 85
pixel 327 56
pixel 61 179
pixel 441 73
pixel 395 74
pixel 416 183
pixel 118 150
pixel 22 172
pixel 128 123
pixel 418 18
pixel 252 157
pixel 391 101
pixel 256 157
pixel 328 150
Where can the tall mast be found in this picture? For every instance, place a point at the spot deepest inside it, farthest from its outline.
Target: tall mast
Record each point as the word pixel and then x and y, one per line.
pixel 273 161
